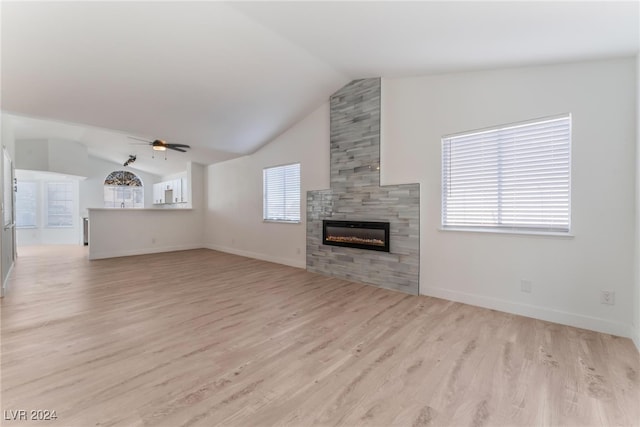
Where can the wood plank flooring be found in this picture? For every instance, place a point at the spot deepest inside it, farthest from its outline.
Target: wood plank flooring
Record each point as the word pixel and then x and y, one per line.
pixel 202 338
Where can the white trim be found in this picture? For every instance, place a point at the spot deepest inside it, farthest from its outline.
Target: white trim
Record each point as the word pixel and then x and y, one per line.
pixel 143 209
pixel 142 251
pixel 265 193
pixel 542 313
pixel 256 255
pixel 511 125
pixel 508 231
pixel 5 282
pixel 636 338
pixel 281 165
pixel 457 184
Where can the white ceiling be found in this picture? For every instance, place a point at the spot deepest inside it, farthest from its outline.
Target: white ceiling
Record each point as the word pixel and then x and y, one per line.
pixel 228 77
pixel 395 39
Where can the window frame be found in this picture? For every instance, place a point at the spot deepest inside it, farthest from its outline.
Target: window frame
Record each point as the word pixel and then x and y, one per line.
pixel 113 188
pixel 73 202
pixel 265 217
pixel 36 221
pixel 510 229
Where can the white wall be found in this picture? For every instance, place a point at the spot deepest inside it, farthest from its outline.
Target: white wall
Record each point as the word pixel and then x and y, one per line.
pixel 92 188
pixel 68 157
pixel 52 155
pixel 33 154
pixel 485 269
pixel 636 296
pixel 122 232
pixel 182 175
pixel 234 215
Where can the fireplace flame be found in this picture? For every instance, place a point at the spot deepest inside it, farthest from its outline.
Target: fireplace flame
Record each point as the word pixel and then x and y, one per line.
pixel 358 240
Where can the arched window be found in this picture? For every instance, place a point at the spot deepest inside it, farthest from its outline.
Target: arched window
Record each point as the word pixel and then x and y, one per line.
pixel 123 189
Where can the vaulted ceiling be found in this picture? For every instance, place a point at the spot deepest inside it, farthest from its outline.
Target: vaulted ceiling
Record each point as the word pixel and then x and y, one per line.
pixel 227 77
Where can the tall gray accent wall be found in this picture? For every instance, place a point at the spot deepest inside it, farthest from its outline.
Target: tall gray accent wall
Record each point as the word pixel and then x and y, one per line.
pixel 356 195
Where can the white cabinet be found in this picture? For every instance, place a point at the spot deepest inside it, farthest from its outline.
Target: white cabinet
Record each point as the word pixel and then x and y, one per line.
pixel 177 190
pixel 169 192
pixel 184 195
pixel 158 194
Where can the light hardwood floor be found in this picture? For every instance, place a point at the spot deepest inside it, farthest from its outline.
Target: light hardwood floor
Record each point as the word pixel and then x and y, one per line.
pixel 202 338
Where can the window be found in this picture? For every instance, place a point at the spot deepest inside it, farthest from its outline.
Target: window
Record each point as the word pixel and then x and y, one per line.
pixel 26 204
pixel 282 193
pixel 514 177
pixel 60 204
pixel 123 189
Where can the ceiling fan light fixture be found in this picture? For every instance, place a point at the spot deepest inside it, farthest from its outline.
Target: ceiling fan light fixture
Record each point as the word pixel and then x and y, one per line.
pixel 161 145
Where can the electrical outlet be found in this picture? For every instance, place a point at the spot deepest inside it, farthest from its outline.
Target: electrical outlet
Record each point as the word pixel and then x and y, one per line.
pixel 153 240
pixel 525 286
pixel 298 251
pixel 607 297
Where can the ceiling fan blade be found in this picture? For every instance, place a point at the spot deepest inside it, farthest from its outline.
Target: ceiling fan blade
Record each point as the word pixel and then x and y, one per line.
pixel 177 149
pixel 139 139
pixel 179 145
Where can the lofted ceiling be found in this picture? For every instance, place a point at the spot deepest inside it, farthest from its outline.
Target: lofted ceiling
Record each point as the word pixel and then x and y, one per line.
pixel 227 77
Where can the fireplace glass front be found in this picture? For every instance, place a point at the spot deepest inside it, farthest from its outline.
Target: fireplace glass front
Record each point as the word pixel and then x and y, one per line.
pixel 356 234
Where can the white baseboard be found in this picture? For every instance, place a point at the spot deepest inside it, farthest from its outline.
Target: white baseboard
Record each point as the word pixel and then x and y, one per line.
pixel 536 312
pixel 142 251
pixel 4 288
pixel 636 339
pixel 257 255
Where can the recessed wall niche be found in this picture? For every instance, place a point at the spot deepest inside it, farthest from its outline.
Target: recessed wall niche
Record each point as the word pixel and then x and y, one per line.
pixel 356 195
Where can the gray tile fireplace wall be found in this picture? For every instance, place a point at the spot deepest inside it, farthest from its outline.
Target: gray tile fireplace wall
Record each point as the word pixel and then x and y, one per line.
pixel 356 195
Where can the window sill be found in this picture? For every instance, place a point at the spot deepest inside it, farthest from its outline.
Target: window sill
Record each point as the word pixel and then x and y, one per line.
pixel 568 235
pixel 281 221
pixel 27 227
pixel 138 209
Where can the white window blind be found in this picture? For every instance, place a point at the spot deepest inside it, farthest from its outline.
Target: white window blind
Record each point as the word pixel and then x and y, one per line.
pixel 282 193
pixel 26 204
pixel 60 204
pixel 514 177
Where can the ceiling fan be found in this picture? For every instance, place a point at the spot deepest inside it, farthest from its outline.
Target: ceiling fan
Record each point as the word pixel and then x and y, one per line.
pixel 160 145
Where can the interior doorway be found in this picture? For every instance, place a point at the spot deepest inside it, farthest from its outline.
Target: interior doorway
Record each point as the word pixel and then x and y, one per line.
pixel 8 232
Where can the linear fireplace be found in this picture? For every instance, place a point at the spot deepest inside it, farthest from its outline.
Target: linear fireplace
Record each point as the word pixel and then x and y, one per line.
pixel 356 234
